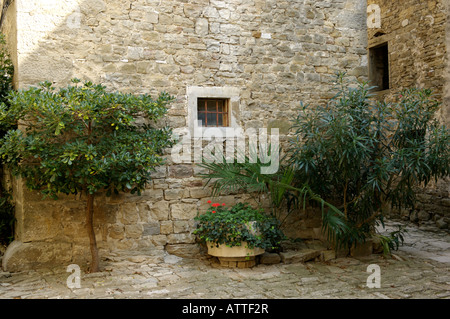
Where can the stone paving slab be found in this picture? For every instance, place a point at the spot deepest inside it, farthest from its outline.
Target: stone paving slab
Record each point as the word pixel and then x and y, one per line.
pixel 417 270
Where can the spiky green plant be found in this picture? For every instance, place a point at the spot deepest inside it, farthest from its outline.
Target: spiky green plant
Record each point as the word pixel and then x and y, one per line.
pixel 246 176
pixel 359 153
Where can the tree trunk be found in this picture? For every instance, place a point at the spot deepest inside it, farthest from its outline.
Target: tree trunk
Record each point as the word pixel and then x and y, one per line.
pixel 90 229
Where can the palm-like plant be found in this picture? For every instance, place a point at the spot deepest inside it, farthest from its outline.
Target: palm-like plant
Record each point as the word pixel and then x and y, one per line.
pixel 246 176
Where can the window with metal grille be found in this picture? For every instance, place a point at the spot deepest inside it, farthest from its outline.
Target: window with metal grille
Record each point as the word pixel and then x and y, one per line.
pixel 212 112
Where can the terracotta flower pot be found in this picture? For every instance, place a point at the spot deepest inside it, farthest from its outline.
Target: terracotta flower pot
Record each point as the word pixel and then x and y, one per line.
pixel 225 251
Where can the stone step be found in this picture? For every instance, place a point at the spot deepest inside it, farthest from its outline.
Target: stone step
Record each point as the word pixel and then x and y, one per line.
pixel 291 257
pixel 269 258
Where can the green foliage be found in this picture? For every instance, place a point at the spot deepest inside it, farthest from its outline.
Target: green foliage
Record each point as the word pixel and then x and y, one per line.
pixel 285 193
pixel 6 71
pixel 241 222
pixel 393 241
pixel 248 177
pixel 6 219
pixel 358 153
pixel 6 206
pixel 83 138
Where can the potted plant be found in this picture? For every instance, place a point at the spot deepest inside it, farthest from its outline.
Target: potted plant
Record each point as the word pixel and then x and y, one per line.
pixel 237 234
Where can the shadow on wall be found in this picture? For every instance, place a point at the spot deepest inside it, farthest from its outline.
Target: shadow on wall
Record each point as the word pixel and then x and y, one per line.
pixel 54 40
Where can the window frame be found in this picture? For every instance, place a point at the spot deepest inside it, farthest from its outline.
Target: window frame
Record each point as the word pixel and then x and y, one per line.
pixel 374 57
pixel 224 114
pixel 194 93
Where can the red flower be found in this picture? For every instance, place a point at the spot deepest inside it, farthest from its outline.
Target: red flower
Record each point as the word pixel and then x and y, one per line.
pixel 209 202
pixel 215 205
pixel 223 204
pixel 213 211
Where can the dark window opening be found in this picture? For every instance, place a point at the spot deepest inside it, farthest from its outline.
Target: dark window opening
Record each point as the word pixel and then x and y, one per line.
pixel 212 112
pixel 379 67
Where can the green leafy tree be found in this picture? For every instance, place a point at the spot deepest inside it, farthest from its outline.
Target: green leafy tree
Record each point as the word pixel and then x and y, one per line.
pixel 359 153
pixel 84 139
pixel 6 85
pixel 6 71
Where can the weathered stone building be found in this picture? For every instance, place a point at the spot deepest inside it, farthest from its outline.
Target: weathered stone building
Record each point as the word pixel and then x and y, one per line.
pixel 412 46
pixel 262 57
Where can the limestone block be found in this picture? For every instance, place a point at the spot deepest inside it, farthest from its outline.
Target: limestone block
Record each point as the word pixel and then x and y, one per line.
pixel 21 256
pixel 183 211
pixel 183 250
pixel 192 10
pixel 159 240
pixel 130 213
pixel 144 210
pixel 134 231
pixel 126 244
pixel 160 184
pixel 327 255
pixel 290 257
pixel 166 227
pixel 282 124
pixel 210 12
pixel 199 192
pixel 160 210
pixel 165 19
pixel 151 17
pixel 181 226
pixel 144 67
pixel 180 171
pixel 41 221
pixel 269 258
pixel 93 7
pixel 151 228
pixel 184 238
pixel 201 26
pixel 152 194
pixel 116 231
pixel 103 213
pixel 171 194
pixel 193 183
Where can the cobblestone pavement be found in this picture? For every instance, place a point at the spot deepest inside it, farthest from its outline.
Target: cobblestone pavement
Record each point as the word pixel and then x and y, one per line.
pixel 420 269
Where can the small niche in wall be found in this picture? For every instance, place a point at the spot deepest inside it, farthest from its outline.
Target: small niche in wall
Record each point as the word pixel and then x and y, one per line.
pixel 379 67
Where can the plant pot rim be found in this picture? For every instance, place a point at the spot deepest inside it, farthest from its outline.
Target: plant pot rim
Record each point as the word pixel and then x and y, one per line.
pixel 236 251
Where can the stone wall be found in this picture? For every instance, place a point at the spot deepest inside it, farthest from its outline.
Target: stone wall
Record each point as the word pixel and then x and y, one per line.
pixel 446 108
pixel 415 33
pixel 418 36
pixel 275 53
pixel 9 29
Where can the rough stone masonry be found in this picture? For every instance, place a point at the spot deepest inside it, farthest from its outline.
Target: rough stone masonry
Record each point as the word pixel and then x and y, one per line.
pixel 418 37
pixel 274 54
